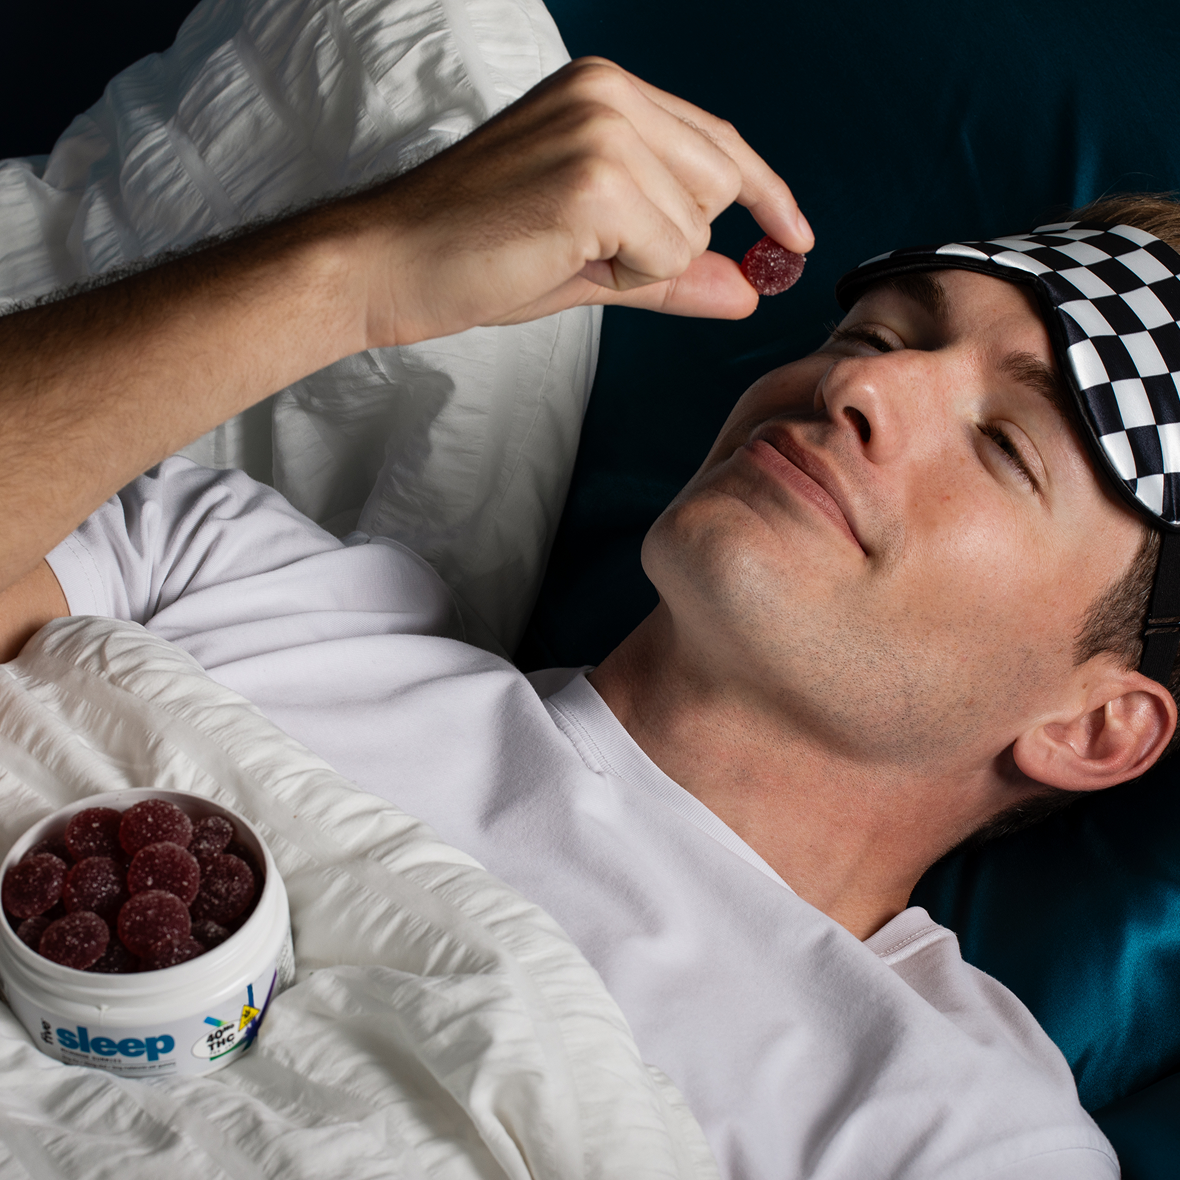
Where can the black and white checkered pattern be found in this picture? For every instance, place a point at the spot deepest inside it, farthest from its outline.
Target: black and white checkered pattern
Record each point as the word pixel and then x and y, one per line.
pixel 1112 300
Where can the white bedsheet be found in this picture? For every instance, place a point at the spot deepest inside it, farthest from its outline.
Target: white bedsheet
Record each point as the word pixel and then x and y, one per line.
pixel 440 1026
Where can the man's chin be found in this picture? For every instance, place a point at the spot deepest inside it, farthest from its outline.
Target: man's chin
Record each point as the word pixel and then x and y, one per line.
pixel 726 581
pixel 743 556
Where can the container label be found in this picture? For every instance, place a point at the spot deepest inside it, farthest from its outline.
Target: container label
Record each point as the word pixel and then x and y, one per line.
pixel 225 1035
pixel 196 1044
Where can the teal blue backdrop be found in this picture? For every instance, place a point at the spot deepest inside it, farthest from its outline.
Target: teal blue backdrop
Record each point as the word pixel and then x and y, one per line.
pixel 898 125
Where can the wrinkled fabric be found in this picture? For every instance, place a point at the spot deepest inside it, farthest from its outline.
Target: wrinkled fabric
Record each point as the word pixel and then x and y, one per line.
pixel 440 1026
pixel 461 447
pixel 802 1051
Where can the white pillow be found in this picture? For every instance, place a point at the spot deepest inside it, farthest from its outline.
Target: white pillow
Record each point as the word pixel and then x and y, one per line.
pixel 461 448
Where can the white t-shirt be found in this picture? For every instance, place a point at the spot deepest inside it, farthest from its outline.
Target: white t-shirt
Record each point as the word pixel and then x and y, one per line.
pixel 801 1050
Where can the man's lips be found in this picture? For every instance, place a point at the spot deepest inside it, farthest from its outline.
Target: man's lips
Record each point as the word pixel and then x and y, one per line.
pixel 802 473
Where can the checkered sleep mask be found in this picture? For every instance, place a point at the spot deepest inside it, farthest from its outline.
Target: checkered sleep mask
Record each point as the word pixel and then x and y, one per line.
pixel 1111 299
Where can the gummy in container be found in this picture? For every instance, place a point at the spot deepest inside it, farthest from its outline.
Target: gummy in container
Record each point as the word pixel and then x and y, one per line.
pixel 211 836
pixel 33 886
pixel 94 831
pixel 165 866
pixel 99 884
pixel 152 922
pixel 153 821
pixel 227 888
pixel 78 940
pixel 141 1000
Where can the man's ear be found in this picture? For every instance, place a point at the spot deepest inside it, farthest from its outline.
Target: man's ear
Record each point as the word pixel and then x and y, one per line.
pixel 1121 723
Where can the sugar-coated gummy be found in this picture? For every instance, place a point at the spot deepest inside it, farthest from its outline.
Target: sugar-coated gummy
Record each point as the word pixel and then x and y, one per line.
pixel 164 866
pixel 211 835
pixel 238 849
pixel 96 883
pixel 54 845
pixel 33 886
pixel 227 888
pixel 247 857
pixel 770 268
pixel 116 960
pixel 152 921
pixel 171 956
pixel 207 932
pixel 31 929
pixel 94 832
pixel 78 940
pixel 152 821
pixel 137 871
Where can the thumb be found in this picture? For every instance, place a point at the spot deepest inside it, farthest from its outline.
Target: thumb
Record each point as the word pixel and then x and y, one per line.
pixel 711 286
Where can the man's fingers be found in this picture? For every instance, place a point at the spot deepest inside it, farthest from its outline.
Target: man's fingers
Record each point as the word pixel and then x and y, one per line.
pixel 593 188
pixel 761 189
pixel 649 198
pixel 699 165
pixel 712 286
pixel 687 163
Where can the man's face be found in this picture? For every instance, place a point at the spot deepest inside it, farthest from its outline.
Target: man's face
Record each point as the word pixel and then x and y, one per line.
pixel 894 541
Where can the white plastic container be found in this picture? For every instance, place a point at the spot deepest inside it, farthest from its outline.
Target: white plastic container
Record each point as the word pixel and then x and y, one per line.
pixel 193 1018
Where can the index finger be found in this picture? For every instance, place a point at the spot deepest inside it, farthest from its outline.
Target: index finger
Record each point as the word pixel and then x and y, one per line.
pixel 763 191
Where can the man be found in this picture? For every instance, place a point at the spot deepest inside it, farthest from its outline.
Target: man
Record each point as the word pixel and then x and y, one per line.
pixel 864 649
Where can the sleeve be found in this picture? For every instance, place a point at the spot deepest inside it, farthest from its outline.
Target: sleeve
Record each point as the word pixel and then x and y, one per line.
pixel 226 568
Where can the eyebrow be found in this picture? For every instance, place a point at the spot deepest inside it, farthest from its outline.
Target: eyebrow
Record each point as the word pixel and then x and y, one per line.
pixel 926 291
pixel 1043 379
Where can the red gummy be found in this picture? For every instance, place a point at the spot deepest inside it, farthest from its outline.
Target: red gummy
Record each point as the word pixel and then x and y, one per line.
pixel 97 884
pixel 227 888
pixel 770 268
pixel 94 832
pixel 77 940
pixel 171 956
pixel 153 821
pixel 33 886
pixel 54 845
pixel 244 854
pixel 116 960
pixel 206 931
pixel 211 835
pixel 31 929
pixel 152 921
pixel 164 866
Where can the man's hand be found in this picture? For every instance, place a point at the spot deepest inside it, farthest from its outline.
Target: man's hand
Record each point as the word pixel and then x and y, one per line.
pixel 593 188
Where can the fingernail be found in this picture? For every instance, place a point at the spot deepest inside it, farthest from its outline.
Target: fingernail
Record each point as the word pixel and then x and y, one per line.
pixel 801 225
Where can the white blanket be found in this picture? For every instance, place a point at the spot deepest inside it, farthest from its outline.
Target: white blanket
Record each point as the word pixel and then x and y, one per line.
pixel 440 1025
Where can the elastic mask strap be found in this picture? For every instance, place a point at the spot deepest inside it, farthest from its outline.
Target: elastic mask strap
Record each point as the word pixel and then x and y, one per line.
pixel 1161 638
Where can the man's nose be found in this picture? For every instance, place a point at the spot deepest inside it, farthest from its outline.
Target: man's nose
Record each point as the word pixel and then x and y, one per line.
pixel 886 404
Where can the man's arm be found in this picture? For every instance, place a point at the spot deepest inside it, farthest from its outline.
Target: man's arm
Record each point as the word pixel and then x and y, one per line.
pixel 27 606
pixel 592 188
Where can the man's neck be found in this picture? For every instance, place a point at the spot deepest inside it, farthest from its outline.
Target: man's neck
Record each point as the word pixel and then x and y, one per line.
pixel 851 838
